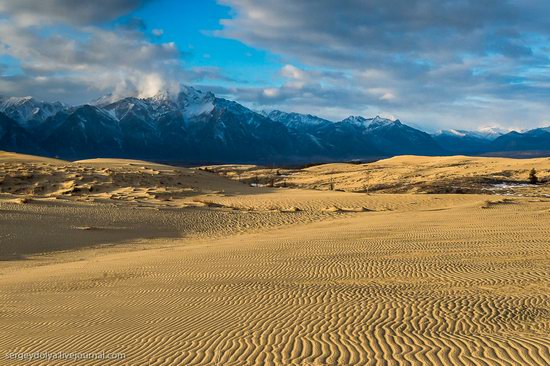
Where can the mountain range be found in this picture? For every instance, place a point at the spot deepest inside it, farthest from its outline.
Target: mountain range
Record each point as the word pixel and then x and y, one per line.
pixel 195 127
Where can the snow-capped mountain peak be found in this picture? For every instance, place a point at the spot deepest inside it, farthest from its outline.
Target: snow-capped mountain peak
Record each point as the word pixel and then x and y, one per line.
pixel 122 107
pixel 295 120
pixel 370 123
pixel 104 100
pixel 7 102
pixel 485 133
pixel 188 102
pixel 194 102
pixel 378 121
pixel 356 120
pixel 492 132
pixel 27 109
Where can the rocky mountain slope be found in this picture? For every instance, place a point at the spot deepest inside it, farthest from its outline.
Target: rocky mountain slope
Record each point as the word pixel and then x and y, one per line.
pixel 197 127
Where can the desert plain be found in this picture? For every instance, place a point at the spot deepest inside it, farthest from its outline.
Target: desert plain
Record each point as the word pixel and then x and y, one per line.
pixel 404 261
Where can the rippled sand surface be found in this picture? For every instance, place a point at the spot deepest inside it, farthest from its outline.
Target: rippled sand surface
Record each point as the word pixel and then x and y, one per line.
pixel 281 277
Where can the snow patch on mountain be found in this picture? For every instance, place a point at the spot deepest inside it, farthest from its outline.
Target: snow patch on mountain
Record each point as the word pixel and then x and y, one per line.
pixel 380 122
pixel 356 120
pixel 294 120
pixel 370 123
pixel 194 102
pixel 492 132
pixel 105 100
pixel 484 133
pixel 26 109
pixel 457 133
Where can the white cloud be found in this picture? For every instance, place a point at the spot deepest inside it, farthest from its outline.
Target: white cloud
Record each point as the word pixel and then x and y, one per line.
pixel 77 12
pixel 271 92
pixel 84 60
pixel 290 71
pixel 423 62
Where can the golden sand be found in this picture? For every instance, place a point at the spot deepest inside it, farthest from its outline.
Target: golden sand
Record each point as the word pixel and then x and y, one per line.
pixel 220 273
pixel 412 174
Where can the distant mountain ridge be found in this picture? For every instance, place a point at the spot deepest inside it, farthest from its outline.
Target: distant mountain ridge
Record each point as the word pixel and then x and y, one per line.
pixel 192 126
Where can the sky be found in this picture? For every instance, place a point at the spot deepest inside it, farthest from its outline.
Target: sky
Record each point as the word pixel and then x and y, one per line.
pixel 434 64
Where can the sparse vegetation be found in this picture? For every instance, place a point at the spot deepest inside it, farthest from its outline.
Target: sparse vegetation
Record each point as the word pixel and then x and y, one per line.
pixel 366 184
pixel 437 175
pixel 533 179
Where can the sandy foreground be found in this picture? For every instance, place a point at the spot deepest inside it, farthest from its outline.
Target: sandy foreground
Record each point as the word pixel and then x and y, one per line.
pixel 147 264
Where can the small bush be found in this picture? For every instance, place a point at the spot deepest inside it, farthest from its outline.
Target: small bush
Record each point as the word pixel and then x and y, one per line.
pixel 533 179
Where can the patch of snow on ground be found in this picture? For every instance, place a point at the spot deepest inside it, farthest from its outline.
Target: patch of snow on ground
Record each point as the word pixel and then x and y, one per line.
pixel 510 185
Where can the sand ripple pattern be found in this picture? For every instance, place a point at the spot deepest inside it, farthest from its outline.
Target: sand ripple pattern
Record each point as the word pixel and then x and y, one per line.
pixel 457 286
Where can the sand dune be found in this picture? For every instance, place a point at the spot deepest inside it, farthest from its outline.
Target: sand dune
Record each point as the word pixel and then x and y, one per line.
pixel 106 179
pixel 413 174
pixel 228 274
pixel 9 157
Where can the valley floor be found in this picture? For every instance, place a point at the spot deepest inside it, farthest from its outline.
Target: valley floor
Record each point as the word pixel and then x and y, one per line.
pixel 278 277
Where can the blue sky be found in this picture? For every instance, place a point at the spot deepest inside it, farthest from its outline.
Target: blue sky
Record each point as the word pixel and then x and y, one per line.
pixel 433 63
pixel 191 24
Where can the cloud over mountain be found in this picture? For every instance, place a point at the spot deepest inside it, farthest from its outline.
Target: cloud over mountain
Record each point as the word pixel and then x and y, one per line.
pixel 487 60
pixel 433 62
pixel 62 51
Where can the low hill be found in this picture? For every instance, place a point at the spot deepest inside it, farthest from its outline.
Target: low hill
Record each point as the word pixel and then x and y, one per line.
pixel 449 174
